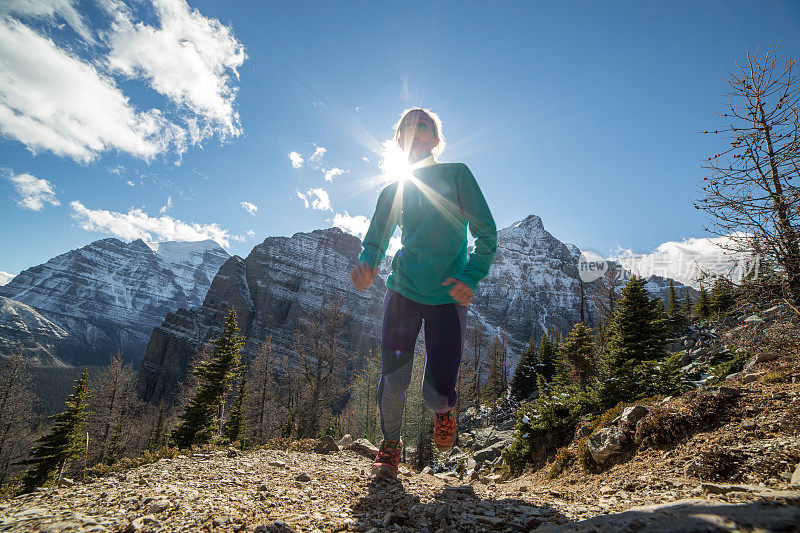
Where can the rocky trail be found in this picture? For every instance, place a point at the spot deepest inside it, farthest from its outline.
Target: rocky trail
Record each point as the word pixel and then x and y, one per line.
pixel 739 472
pixel 270 490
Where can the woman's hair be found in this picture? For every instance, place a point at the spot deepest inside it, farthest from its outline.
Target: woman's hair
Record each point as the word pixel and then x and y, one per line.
pixel 437 127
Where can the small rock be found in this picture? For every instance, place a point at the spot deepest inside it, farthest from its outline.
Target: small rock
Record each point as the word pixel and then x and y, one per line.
pixel 365 448
pixel 607 490
pixel 303 477
pixel 262 488
pixel 393 518
pixel 345 441
pixel 326 445
pixel 219 521
pixel 232 452
pixel 427 470
pixel 460 489
pixel 443 514
pixel 491 521
pixel 762 357
pixel 158 507
pixel 796 476
pixel 523 488
pixel 749 378
pixel 749 425
pixel 66 482
pixel 753 319
pixel 279 464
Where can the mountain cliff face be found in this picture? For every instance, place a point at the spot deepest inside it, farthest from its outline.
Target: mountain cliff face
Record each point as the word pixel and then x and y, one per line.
pixel 110 294
pixel 532 286
pixel 281 279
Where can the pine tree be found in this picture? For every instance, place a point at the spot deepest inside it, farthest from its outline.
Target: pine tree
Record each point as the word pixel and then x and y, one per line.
pixel 199 422
pixel 722 296
pixel 672 301
pixel 155 437
pixel 234 428
pixel 115 446
pixel 688 305
pixel 637 335
pixel 63 443
pixel 547 357
pixel 524 381
pixel 577 351
pixel 701 308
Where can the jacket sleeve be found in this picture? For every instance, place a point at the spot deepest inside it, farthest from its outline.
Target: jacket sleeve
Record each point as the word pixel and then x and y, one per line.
pixel 381 227
pixel 481 226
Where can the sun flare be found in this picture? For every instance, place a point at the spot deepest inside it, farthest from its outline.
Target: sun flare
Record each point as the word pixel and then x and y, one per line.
pixel 394 163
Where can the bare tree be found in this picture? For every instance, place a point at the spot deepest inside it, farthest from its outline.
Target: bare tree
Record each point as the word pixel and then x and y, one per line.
pixel 16 414
pixel 264 413
pixel 749 193
pixel 323 362
pixel 112 391
pixel 476 340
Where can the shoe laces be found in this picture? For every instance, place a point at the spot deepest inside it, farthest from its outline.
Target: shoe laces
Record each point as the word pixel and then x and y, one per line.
pixel 389 452
pixel 445 423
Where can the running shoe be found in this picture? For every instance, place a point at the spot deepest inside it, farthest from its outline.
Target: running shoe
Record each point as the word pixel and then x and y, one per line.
pixel 444 430
pixel 388 457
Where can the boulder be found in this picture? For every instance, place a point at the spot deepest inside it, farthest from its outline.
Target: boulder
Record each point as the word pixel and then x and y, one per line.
pixel 326 444
pixel 606 443
pixel 489 454
pixel 364 447
pixel 762 357
pixel 632 415
pixel 796 476
pixel 345 441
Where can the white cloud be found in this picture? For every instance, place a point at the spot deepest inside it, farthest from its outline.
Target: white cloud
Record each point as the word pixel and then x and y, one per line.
pixel 358 225
pixel 167 206
pixel 48 10
pixel 129 182
pixel 319 153
pixel 189 58
pixel 332 173
pixel 296 159
pixel 354 225
pixel 316 199
pixel 52 100
pixel 250 233
pixel 684 261
pixel 5 277
pixel 365 158
pixel 250 208
pixel 33 192
pixel 136 224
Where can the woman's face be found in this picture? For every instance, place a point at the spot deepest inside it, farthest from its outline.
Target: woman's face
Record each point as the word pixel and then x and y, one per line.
pixel 416 133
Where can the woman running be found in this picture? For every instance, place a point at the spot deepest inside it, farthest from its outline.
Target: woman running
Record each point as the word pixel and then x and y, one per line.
pixel 433 278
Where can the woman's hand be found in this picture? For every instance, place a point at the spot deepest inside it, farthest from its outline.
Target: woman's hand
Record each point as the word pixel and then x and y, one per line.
pixel 460 291
pixel 362 276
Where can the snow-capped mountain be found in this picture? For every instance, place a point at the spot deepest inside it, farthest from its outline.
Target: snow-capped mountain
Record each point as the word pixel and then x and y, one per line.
pixel 532 286
pixel 110 294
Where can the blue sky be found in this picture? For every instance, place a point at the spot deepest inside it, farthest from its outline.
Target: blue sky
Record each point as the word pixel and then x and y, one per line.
pixel 159 119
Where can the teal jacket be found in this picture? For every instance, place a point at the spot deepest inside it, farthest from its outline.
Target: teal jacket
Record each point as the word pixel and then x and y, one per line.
pixel 433 210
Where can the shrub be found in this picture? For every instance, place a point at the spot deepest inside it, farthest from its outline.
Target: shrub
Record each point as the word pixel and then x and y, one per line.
pixel 563 459
pixel 696 411
pixel 734 363
pixel 716 465
pixel 548 420
pixel 585 458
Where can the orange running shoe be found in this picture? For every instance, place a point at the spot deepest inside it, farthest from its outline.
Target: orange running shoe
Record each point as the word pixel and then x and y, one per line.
pixel 385 464
pixel 444 430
